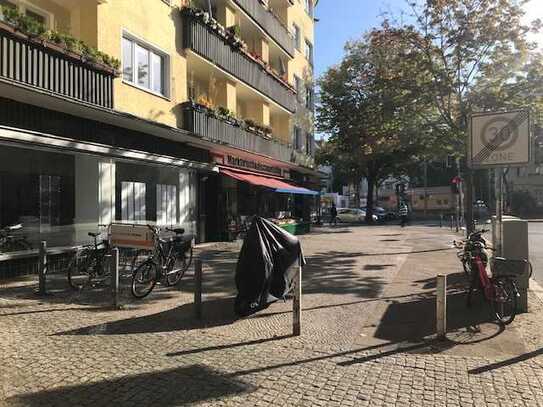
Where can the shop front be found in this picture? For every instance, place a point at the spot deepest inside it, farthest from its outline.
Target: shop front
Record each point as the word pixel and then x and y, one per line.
pixel 238 192
pixel 61 194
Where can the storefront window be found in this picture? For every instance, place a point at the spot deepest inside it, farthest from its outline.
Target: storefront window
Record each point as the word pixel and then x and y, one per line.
pixel 61 197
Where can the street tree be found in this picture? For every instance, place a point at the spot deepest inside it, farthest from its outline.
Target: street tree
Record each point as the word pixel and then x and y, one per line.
pixel 368 110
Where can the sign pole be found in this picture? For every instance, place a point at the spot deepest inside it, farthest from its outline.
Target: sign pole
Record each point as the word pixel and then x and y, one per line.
pixel 470 226
pixel 500 211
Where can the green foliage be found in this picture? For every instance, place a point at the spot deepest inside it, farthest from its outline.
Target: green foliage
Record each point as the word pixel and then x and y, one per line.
pixel 33 28
pixel 368 109
pixel 476 54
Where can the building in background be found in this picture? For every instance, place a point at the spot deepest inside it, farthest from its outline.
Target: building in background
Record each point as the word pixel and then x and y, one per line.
pixel 154 111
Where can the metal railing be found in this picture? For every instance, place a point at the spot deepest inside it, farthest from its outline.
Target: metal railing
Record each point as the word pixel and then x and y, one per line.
pixel 37 65
pixel 269 23
pixel 210 45
pixel 221 131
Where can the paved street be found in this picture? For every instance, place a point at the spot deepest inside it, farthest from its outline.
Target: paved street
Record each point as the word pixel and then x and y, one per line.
pixel 535 231
pixel 369 311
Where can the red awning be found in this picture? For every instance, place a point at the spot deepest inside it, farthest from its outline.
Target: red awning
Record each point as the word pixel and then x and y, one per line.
pixel 268 182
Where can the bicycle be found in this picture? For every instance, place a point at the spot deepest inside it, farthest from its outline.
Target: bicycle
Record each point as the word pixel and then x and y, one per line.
pixel 466 247
pixel 13 243
pixel 499 289
pixel 88 265
pixel 168 263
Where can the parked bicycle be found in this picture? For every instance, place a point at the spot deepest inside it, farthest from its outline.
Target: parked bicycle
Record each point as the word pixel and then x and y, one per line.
pixel 9 242
pixel 466 246
pixel 498 287
pixel 88 265
pixel 168 263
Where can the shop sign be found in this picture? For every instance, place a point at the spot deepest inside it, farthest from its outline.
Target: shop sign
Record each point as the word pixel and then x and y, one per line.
pixel 133 236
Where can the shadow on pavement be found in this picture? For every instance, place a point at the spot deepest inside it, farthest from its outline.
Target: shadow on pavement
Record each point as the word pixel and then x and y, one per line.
pixel 173 387
pixel 507 362
pixel 334 272
pixel 414 321
pixel 229 346
pixel 216 312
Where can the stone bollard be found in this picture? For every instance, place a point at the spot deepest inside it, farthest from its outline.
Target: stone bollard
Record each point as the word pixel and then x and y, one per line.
pixel 42 272
pixel 198 288
pixel 297 302
pixel 115 281
pixel 441 306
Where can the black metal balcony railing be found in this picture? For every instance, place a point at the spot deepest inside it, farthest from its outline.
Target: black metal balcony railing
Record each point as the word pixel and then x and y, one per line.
pixel 269 23
pixel 205 42
pixel 29 62
pixel 212 128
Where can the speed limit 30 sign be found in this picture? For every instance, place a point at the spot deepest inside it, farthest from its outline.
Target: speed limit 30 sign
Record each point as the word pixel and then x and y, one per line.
pixel 499 139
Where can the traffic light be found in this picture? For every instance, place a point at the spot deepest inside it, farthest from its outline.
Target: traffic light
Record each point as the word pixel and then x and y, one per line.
pixel 455 185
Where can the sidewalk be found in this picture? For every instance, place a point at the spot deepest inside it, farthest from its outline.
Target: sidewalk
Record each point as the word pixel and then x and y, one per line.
pixel 367 339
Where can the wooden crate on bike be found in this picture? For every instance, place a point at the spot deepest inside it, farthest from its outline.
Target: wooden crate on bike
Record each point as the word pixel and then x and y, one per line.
pixel 131 236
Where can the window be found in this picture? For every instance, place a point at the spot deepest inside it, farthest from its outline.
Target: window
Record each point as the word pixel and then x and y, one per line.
pixel 144 66
pixel 297 138
pixel 297 37
pixel 133 201
pixel 39 15
pixel 309 7
pixel 36 16
pixel 309 51
pixel 309 97
pixel 309 143
pixel 299 84
pixel 166 204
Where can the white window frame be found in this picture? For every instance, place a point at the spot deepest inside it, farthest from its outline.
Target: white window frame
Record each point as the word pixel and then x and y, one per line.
pixel 23 6
pixel 157 50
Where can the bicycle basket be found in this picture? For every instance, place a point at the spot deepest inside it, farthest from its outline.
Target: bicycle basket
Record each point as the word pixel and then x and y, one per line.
pixel 181 244
pixel 502 267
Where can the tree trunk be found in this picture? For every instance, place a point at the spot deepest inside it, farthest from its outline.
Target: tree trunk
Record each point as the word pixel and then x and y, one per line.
pixel 369 198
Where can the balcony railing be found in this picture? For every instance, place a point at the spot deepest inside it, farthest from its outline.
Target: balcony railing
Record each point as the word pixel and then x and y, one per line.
pixel 209 127
pixel 269 23
pixel 203 40
pixel 49 68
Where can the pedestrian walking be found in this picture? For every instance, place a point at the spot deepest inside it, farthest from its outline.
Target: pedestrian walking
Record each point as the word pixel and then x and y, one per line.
pixel 333 215
pixel 403 212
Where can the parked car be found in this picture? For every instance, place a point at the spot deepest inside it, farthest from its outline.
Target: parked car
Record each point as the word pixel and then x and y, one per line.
pixel 352 215
pixel 382 214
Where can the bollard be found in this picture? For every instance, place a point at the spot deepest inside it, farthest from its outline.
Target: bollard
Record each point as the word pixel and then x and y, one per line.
pixel 297 302
pixel 441 306
pixel 42 272
pixel 441 220
pixel 451 222
pixel 114 270
pixel 198 288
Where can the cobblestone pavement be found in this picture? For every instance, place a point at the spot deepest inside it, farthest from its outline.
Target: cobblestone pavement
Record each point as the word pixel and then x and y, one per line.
pixel 367 337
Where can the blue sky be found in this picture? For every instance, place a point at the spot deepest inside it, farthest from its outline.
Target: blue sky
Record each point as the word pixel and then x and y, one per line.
pixel 343 20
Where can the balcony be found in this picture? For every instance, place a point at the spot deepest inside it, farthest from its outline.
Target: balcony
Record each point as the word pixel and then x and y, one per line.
pixel 211 42
pixel 47 67
pixel 269 23
pixel 201 122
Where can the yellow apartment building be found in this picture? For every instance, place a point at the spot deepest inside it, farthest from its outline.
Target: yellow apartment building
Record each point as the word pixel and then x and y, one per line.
pixel 193 113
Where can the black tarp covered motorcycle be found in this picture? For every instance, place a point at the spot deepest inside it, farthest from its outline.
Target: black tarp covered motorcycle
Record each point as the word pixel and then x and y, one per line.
pixel 264 272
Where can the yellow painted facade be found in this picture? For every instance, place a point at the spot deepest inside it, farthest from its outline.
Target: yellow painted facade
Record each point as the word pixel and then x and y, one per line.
pixel 158 23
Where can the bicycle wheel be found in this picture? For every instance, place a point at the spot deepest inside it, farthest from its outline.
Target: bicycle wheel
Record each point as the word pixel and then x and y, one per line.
pixel 180 265
pixel 504 301
pixel 79 271
pixel 144 279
